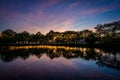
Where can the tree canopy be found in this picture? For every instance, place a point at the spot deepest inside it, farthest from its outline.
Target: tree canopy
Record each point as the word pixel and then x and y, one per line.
pixel 105 33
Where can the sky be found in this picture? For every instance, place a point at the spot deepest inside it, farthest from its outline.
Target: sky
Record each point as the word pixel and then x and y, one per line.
pixel 58 15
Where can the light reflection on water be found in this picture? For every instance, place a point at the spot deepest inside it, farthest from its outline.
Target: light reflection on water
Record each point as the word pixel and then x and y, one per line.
pixel 58 63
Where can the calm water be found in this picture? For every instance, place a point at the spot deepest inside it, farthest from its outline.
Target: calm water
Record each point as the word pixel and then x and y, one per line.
pixel 58 63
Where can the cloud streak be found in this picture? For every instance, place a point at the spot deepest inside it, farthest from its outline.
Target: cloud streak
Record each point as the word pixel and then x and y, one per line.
pixel 57 15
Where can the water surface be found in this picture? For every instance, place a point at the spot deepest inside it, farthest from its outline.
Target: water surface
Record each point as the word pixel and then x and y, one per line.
pixel 58 63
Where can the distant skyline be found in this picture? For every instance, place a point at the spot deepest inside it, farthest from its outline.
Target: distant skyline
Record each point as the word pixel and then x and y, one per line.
pixel 58 15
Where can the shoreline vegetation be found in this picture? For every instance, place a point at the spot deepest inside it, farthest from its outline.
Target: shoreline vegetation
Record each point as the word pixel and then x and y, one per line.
pixel 105 35
pixel 67 45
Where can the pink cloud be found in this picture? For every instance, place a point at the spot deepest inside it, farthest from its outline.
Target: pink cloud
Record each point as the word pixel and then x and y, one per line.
pixel 95 10
pixel 110 7
pixel 54 1
pixel 39 20
pixel 73 5
pixel 32 20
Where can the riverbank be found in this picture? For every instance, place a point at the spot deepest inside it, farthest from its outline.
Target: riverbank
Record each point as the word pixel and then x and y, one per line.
pixel 71 45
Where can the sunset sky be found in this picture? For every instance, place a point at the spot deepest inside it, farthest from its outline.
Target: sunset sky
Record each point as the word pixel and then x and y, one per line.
pixel 57 15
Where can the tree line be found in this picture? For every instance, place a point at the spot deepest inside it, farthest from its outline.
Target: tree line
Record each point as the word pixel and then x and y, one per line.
pixel 104 34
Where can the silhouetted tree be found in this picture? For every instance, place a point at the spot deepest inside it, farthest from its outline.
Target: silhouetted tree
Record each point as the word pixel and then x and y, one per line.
pixel 7 36
pixel 22 37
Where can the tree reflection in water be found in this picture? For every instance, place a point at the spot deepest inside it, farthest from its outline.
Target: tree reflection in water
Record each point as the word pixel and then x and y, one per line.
pixel 106 57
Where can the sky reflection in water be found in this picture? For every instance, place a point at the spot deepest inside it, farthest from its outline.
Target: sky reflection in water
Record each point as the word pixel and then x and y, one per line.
pixel 58 63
